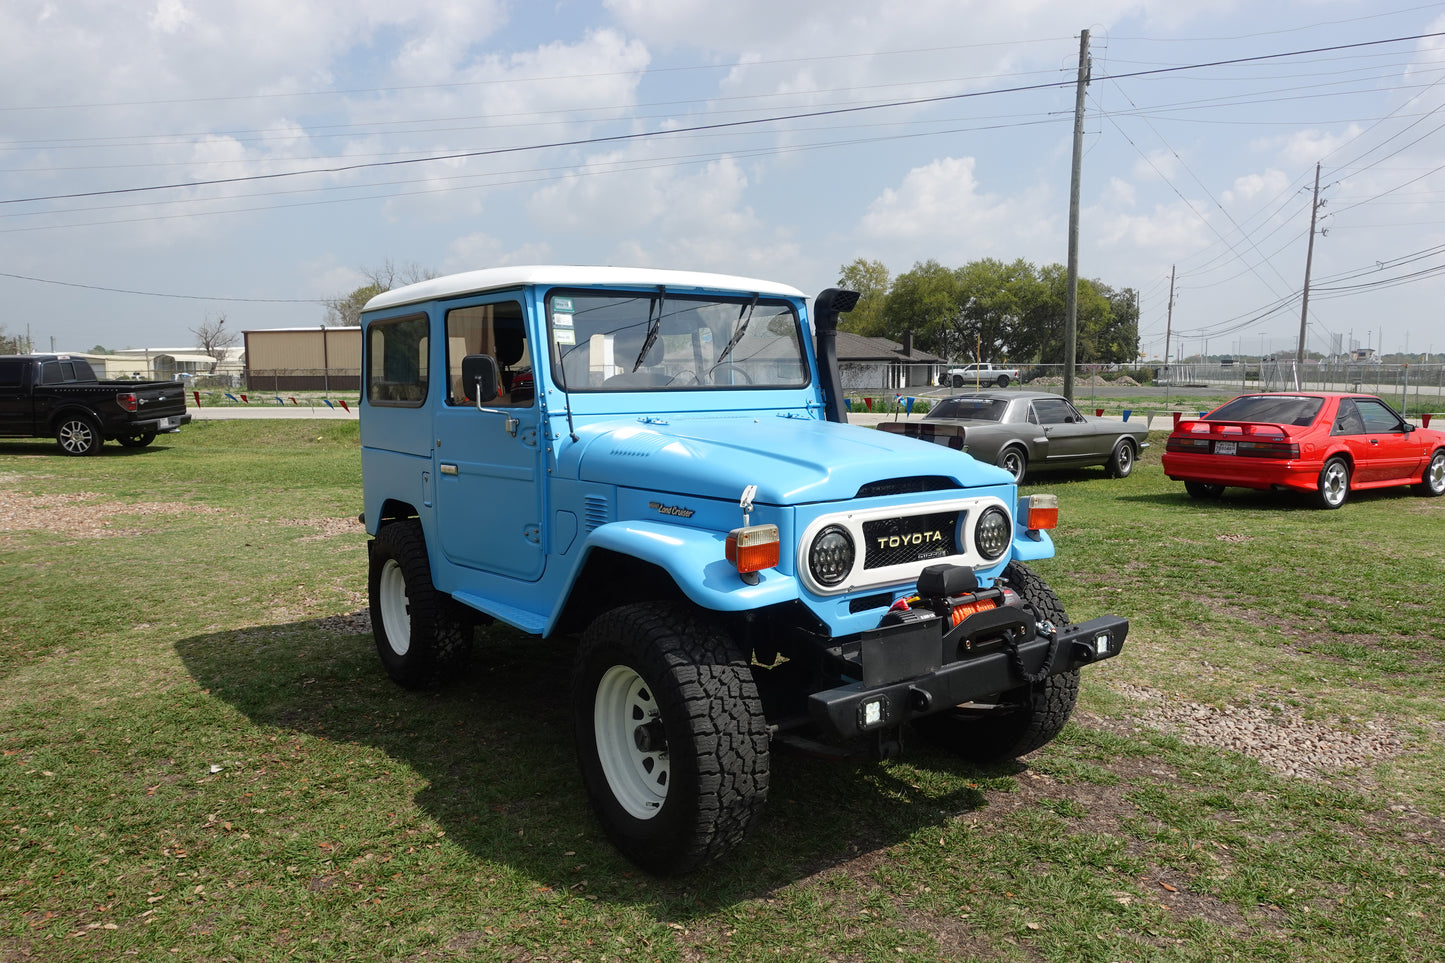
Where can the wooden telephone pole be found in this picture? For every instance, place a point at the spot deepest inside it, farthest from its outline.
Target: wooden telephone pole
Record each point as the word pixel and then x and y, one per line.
pixel 1299 355
pixel 1071 296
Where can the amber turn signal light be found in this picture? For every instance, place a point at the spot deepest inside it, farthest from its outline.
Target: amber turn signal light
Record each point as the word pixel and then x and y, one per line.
pixel 753 548
pixel 1041 511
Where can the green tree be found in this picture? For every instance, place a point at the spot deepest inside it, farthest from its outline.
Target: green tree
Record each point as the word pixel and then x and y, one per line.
pixel 870 280
pixel 925 300
pixel 995 296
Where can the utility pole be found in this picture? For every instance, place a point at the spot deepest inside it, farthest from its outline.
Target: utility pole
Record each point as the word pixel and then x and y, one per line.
pixel 1071 296
pixel 1168 321
pixel 1299 355
pixel 1168 327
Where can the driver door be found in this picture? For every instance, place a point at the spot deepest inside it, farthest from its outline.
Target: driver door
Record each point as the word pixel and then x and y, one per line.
pixel 489 491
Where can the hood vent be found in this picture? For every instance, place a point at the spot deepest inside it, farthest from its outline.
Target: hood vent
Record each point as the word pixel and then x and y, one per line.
pixel 908 486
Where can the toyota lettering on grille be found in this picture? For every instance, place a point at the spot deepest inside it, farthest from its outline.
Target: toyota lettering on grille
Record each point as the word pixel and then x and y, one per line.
pixel 898 541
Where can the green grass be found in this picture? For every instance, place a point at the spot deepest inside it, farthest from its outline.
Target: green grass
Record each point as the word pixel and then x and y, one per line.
pixel 201 761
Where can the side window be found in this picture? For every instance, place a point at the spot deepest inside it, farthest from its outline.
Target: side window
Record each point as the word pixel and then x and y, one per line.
pixel 1054 411
pixel 396 362
pixel 11 373
pixel 1348 420
pixel 1379 418
pixel 498 330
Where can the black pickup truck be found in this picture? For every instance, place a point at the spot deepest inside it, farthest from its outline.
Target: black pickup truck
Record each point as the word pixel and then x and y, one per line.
pixel 58 396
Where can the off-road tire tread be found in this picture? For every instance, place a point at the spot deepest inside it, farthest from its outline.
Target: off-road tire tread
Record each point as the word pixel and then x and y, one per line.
pixel 697 673
pixel 441 640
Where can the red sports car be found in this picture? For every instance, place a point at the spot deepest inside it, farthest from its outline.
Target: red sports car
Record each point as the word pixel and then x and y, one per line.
pixel 1326 443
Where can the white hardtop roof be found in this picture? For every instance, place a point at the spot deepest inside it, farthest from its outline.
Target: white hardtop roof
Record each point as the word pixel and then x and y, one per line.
pixel 492 279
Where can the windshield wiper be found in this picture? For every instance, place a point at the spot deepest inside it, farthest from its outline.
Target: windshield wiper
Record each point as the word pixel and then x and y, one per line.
pixel 741 329
pixel 653 327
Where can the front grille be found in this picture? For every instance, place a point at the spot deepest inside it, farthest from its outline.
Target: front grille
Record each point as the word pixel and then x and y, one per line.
pixel 899 541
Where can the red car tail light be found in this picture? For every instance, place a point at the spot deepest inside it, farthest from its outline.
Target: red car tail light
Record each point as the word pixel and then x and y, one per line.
pixel 1269 449
pixel 1177 443
pixel 126 400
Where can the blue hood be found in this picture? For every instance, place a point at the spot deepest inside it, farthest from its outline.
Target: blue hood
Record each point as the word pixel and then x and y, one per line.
pixel 791 460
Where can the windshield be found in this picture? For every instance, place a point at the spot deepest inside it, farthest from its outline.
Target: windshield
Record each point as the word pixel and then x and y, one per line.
pixel 1269 409
pixel 973 409
pixel 659 341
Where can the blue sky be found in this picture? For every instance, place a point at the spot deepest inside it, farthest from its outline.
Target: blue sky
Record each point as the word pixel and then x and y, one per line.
pixel 166 164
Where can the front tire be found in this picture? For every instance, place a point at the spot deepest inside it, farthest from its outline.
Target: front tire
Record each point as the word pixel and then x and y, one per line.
pixel 958 381
pixel 78 435
pixel 1121 462
pixel 1023 719
pixel 1333 488
pixel 671 737
pixel 1432 483
pixel 421 638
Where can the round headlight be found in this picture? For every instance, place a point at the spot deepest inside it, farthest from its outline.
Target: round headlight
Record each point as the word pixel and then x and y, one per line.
pixel 831 557
pixel 992 533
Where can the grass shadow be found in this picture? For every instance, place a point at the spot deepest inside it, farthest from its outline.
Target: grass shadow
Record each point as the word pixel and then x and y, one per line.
pixel 496 755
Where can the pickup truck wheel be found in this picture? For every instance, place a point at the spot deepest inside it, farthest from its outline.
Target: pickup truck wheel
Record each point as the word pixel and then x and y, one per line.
pixel 1433 481
pixel 958 381
pixel 78 435
pixel 1015 461
pixel 1020 720
pixel 1333 488
pixel 1003 381
pixel 1121 462
pixel 671 736
pixel 421 638
pixel 137 440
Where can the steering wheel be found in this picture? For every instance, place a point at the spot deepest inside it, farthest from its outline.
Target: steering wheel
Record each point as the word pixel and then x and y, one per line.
pixel 733 367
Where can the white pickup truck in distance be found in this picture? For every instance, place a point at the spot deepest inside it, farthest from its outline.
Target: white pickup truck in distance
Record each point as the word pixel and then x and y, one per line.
pixel 982 374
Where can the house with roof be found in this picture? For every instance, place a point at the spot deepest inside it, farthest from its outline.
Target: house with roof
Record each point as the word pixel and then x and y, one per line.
pixel 872 364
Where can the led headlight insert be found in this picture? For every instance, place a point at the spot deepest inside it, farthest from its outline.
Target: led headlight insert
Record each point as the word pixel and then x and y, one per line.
pixel 992 533
pixel 831 556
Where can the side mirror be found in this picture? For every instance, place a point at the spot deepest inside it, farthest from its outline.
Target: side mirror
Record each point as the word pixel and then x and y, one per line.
pixel 480 377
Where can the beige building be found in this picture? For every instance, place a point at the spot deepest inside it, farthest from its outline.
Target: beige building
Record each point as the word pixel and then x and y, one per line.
pixel 298 359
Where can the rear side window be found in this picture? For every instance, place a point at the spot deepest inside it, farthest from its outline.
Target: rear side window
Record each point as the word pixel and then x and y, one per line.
pixel 12 374
pixel 396 362
pixel 1269 410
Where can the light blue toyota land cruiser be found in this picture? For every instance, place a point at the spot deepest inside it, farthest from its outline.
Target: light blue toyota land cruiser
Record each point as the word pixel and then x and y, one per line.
pixel 661 462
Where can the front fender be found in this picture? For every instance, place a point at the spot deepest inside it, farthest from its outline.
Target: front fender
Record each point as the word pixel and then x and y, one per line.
pixel 695 559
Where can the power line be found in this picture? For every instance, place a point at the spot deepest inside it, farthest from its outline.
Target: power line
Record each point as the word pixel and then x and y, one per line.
pixel 647 135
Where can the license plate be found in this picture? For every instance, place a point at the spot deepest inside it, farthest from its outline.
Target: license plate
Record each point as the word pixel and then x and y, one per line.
pixel 168 423
pixel 1225 447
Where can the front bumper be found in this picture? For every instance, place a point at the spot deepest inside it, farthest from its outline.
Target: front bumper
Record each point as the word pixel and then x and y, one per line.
pixel 917 669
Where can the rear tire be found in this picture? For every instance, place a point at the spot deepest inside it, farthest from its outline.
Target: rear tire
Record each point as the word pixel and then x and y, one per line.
pixel 1003 381
pixel 1199 489
pixel 1333 488
pixel 1023 719
pixel 1121 462
pixel 78 435
pixel 1433 481
pixel 138 440
pixel 671 737
pixel 420 635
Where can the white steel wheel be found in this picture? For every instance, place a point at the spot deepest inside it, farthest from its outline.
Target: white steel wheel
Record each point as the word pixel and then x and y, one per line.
pixel 631 745
pixel 395 607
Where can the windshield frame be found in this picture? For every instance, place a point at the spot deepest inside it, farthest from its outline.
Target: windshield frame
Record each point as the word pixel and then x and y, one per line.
pixel 610 340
